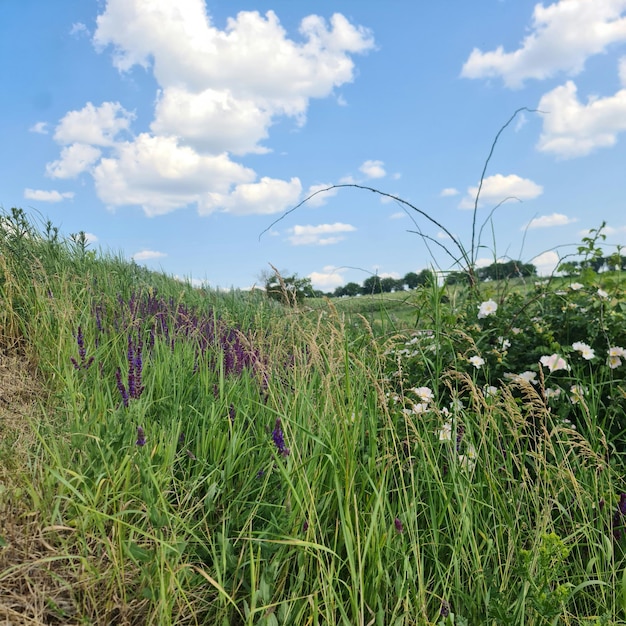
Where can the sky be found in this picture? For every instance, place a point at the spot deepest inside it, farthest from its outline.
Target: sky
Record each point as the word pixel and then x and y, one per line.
pixel 182 134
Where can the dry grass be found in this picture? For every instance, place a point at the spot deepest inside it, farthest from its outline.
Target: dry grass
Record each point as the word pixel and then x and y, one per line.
pixel 49 574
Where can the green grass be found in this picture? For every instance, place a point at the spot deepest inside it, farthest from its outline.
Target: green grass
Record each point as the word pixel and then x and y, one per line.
pixel 294 470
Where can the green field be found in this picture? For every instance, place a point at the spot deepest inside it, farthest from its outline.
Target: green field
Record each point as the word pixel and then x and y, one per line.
pixel 172 455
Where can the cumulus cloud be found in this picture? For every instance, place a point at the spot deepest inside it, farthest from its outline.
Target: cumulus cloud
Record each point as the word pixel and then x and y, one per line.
pixel 42 195
pixel 91 238
pixel 562 37
pixel 320 235
pixel 546 263
pixel 572 128
pixel 497 188
pixel 219 93
pixel 75 160
pixel 545 221
pixel 373 169
pixel 328 278
pixel 95 126
pixel 146 255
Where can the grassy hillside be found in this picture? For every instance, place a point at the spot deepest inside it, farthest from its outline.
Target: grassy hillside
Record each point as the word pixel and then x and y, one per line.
pixel 180 456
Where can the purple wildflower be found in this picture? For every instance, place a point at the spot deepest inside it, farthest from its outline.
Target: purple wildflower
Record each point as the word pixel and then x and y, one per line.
pixel 279 439
pixel 141 437
pixel 398 524
pixel 120 387
pixel 445 608
pixel 84 363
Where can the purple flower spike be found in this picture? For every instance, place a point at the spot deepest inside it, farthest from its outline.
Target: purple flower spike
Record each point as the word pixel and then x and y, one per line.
pixel 84 362
pixel 141 437
pixel 120 387
pixel 279 439
pixel 398 524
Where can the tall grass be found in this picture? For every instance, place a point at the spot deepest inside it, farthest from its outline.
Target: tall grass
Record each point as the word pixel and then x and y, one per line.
pixel 206 458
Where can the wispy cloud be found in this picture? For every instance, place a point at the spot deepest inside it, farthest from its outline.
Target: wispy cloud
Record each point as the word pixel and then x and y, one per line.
pixel 545 221
pixel 146 255
pixel 320 235
pixel 42 195
pixel 449 191
pixel 39 127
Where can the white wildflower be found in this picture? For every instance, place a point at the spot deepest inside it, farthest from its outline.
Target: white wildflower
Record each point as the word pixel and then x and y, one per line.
pixel 585 350
pixel 477 361
pixel 576 286
pixel 445 432
pixel 487 308
pixel 423 393
pixel 554 362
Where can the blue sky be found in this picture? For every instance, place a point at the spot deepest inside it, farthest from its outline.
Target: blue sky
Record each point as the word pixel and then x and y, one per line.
pixel 175 133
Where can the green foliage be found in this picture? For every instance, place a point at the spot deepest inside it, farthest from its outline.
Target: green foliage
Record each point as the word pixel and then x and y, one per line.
pixel 318 467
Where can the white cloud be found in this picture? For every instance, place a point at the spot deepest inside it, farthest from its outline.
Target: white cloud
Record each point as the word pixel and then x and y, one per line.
pixel 321 198
pixel 328 278
pixel 219 93
pixel 39 127
pixel 398 215
pixel 546 263
pixel 573 129
pixel 497 188
pixel 320 235
pixel 373 169
pixel 91 238
pixel 95 126
pixel 449 191
pixel 146 255
pixel 347 180
pixel 79 29
pixel 563 36
pixel 607 230
pixel 47 196
pixel 545 221
pixel 75 160
pixel 484 262
pixel 269 195
pixel 159 175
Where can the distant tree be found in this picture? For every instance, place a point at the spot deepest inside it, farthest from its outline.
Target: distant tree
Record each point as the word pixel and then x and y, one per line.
pixel 508 269
pixel 569 268
pixel 425 277
pixel 288 290
pixel 388 284
pixel 411 280
pixel 457 278
pixel 340 291
pixel 372 285
pixel 352 289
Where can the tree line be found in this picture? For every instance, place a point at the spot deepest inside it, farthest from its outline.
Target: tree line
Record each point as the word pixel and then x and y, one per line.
pixel 292 289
